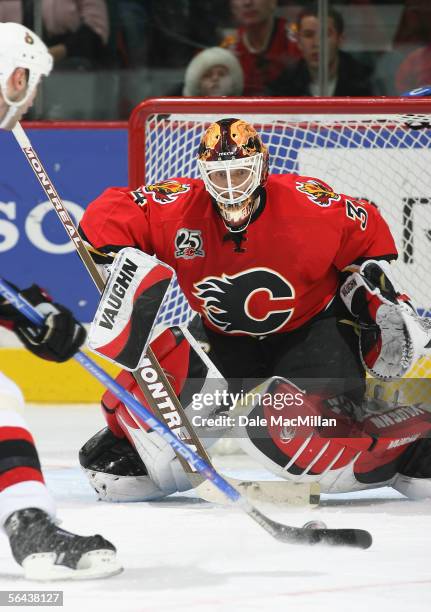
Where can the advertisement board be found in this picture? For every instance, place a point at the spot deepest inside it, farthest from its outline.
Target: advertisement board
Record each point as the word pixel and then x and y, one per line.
pixel 34 247
pixel 81 160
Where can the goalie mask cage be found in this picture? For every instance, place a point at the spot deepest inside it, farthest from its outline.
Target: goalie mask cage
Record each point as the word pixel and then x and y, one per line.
pixel 373 148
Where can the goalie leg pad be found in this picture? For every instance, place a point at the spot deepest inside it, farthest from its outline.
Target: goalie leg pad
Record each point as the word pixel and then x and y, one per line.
pixel 414 478
pixel 123 489
pixel 292 444
pixel 179 362
pixel 413 488
pixel 117 473
pixel 187 375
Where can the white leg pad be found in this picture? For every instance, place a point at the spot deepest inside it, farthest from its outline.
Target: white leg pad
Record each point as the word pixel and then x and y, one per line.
pixel 413 488
pixel 113 488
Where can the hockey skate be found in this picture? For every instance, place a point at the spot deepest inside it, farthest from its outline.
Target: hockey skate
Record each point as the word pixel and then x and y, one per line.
pixel 47 552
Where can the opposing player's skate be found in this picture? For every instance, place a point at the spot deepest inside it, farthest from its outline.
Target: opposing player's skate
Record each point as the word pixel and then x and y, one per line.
pixel 47 552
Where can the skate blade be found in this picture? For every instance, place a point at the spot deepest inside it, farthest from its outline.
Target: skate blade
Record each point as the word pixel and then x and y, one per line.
pixel 91 566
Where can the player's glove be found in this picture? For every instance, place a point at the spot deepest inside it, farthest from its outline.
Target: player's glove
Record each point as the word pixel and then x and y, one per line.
pixel 392 335
pixel 58 339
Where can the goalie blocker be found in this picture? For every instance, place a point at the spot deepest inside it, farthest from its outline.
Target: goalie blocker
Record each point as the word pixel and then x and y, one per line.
pixel 134 294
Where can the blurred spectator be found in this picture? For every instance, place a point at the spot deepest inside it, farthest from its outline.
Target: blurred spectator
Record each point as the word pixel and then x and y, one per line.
pixel 414 71
pixel 182 28
pixel 164 33
pixel 214 72
pixel 415 24
pixel 263 43
pixel 134 23
pixel 347 77
pixel 75 31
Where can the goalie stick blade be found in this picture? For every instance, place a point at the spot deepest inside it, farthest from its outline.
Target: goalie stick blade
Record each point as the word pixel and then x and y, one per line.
pixel 269 491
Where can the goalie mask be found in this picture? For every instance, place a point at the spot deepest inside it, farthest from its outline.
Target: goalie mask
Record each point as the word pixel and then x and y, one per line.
pixel 233 163
pixel 21 48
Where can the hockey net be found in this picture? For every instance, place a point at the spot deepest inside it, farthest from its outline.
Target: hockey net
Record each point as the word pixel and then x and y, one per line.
pixel 378 149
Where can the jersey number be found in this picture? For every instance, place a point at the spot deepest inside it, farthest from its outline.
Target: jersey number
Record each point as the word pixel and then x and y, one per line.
pixel 357 213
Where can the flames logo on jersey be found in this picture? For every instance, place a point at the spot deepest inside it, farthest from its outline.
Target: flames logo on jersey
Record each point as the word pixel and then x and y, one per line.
pixel 254 302
pixel 318 192
pixel 166 191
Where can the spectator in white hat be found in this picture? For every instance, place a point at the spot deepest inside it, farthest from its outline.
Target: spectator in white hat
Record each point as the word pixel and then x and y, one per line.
pixel 214 72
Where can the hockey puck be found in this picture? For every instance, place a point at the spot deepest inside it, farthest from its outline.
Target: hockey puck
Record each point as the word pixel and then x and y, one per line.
pixel 315 525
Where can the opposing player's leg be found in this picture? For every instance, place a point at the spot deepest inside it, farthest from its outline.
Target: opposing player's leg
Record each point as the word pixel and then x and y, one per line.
pixel 27 510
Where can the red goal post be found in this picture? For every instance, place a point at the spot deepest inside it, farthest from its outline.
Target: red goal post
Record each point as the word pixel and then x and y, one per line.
pixel 373 148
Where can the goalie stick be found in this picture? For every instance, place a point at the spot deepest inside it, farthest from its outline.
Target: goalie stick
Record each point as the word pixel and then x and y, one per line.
pixel 356 538
pixel 67 222
pixel 268 490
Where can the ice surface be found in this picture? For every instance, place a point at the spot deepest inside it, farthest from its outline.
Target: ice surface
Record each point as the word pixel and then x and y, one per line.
pixel 185 554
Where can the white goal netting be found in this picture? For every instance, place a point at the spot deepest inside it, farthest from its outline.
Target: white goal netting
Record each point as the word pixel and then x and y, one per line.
pixel 384 157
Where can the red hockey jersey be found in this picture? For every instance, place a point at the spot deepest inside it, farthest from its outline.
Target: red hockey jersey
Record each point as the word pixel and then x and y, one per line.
pixel 263 67
pixel 287 269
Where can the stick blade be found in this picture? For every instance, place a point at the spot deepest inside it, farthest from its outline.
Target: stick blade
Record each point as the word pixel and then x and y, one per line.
pixel 353 538
pixel 269 491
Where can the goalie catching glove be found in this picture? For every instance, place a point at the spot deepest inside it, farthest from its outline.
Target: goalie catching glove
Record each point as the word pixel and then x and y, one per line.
pixel 392 335
pixel 58 339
